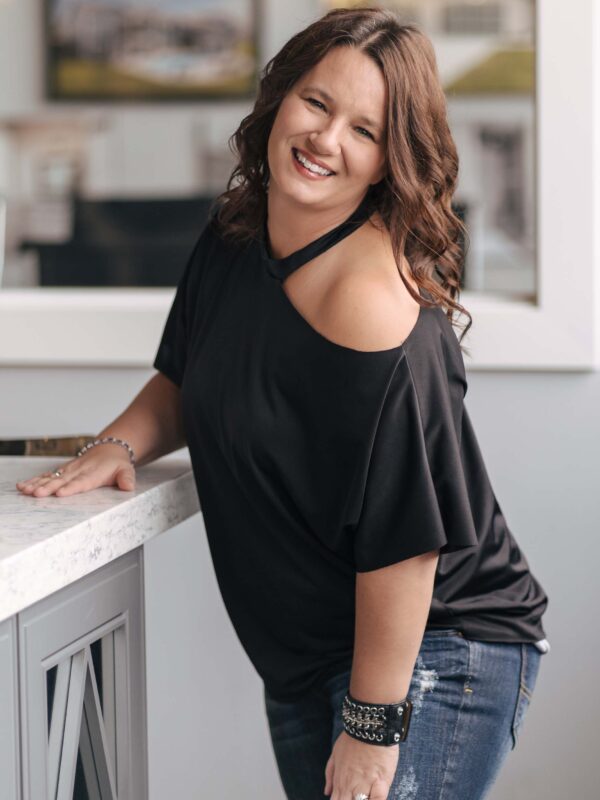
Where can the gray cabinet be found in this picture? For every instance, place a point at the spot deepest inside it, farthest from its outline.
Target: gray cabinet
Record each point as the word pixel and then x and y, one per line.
pixel 81 728
pixel 9 716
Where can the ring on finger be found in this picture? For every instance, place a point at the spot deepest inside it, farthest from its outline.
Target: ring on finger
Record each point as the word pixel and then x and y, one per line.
pixel 56 474
pixel 361 796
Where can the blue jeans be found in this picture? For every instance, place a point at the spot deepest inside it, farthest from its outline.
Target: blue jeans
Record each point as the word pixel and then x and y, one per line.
pixel 469 701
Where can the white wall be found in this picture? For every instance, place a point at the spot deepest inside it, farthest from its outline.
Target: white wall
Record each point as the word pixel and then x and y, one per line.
pixel 21 57
pixel 539 434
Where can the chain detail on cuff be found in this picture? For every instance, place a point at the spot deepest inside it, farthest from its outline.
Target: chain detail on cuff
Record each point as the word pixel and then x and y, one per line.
pixel 381 724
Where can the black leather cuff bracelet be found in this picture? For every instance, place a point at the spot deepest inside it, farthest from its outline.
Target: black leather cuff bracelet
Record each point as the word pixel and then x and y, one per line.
pixel 376 723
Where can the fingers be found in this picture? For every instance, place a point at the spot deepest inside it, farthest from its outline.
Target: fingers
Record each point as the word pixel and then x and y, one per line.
pixel 46 483
pixel 80 483
pixel 76 479
pixel 42 485
pixel 379 790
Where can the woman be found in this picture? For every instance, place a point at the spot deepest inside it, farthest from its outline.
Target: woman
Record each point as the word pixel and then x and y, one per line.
pixel 309 364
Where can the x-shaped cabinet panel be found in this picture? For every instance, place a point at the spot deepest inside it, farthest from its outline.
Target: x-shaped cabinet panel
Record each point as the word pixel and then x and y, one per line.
pixel 83 689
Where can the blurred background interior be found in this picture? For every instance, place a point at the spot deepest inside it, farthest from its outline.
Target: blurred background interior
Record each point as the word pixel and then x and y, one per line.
pixel 108 175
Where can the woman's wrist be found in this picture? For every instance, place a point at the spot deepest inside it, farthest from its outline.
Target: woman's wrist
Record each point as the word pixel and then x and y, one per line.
pixel 107 440
pixel 376 723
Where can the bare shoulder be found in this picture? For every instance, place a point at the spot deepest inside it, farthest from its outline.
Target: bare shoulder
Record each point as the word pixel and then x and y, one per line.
pixel 365 312
pixel 368 307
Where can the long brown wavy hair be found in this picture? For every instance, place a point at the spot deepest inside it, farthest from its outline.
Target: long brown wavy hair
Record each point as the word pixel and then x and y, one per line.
pixel 414 198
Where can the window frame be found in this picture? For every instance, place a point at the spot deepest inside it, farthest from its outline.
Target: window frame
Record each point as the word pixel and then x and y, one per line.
pixel 560 331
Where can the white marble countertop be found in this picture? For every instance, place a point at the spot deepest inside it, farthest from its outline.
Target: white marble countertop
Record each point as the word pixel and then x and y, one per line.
pixel 47 543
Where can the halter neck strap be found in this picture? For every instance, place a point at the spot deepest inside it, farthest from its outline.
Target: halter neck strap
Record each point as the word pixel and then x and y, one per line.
pixel 282 267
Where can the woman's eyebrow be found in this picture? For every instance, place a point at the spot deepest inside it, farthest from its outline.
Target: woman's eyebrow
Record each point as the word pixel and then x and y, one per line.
pixel 330 99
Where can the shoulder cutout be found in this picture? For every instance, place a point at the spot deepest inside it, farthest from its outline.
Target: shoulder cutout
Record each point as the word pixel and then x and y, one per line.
pixel 367 312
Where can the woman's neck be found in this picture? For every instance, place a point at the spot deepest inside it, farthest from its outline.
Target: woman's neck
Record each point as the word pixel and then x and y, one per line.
pixel 292 225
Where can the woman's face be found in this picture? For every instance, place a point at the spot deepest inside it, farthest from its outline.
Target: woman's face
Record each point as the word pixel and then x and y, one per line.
pixel 335 116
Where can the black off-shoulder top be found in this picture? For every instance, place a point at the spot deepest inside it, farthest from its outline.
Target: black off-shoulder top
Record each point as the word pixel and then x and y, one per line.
pixel 314 461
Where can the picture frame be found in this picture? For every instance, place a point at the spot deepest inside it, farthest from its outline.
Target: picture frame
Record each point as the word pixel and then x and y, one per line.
pixel 148 50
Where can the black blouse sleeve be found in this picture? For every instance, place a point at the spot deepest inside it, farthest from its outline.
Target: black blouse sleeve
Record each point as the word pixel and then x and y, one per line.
pixel 416 496
pixel 171 355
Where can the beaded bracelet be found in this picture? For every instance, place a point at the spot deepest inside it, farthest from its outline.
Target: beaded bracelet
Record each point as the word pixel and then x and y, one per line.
pixel 376 723
pixel 107 440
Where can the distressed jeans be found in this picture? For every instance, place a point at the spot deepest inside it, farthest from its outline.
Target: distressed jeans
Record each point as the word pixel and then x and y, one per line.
pixel 469 702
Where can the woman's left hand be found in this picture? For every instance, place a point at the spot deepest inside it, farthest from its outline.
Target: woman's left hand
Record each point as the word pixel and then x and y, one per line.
pixel 356 767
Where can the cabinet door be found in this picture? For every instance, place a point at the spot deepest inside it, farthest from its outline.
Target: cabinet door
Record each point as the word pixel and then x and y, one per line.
pixel 83 691
pixel 9 720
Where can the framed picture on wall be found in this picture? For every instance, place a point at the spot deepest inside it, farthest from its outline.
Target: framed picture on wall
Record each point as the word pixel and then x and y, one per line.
pixel 150 49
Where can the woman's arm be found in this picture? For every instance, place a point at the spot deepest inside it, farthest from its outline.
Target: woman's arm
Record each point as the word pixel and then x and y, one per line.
pixel 151 423
pixel 392 606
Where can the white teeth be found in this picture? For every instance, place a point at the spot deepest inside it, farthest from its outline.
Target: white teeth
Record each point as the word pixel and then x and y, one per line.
pixel 309 165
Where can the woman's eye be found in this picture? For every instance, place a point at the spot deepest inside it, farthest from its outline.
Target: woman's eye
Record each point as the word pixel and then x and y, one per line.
pixel 365 132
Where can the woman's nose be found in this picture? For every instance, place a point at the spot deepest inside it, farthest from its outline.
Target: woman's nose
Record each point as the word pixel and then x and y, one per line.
pixel 327 139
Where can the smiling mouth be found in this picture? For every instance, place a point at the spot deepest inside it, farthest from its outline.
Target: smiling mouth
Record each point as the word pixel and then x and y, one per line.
pixel 314 168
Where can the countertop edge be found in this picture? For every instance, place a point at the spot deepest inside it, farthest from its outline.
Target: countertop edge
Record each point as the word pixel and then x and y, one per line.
pixel 54 563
